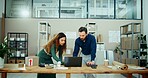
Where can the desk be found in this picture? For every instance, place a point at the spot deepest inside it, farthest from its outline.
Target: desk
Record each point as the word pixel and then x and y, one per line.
pixel 75 70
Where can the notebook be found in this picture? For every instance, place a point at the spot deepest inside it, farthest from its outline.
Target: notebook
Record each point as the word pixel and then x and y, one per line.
pixel 72 61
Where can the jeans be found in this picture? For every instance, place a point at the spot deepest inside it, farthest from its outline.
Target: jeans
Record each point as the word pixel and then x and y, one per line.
pixel 85 59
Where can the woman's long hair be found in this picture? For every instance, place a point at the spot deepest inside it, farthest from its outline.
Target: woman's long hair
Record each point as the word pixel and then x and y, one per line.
pixel 55 41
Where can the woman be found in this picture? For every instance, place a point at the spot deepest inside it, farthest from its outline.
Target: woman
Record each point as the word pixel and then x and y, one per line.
pixel 57 44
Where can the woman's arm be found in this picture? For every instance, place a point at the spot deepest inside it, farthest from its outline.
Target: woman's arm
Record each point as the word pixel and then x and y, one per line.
pixel 53 53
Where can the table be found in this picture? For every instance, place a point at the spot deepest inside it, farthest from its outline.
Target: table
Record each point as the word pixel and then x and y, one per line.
pixel 75 70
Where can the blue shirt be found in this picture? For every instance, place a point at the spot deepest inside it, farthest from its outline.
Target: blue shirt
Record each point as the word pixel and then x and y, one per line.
pixel 88 47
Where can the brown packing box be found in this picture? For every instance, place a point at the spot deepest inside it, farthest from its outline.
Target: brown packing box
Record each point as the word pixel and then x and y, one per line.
pixel 12 61
pixel 128 43
pixel 34 58
pixel 128 61
pixel 124 61
pixel 124 56
pixel 125 29
pixel 20 61
pixel 135 44
pixel 137 28
pixel 116 57
pixel 123 42
pixel 129 28
pixel 99 38
pixel 134 61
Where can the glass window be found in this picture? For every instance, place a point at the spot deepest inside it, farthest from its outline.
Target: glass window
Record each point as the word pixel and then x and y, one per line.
pixel 18 8
pixel 121 9
pixel 73 9
pixel 46 8
pixel 101 9
pixel 128 9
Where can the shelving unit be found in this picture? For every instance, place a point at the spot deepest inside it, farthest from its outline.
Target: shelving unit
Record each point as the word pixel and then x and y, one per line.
pixel 44 31
pixel 91 27
pixel 131 45
pixel 18 42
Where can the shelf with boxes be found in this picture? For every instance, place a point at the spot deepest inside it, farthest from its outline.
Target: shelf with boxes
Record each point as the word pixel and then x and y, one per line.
pixel 131 45
pixel 18 42
pixel 91 27
pixel 44 32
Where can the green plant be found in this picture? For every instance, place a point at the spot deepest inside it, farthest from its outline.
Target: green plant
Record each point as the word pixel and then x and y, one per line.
pixel 142 38
pixel 118 50
pixel 4 49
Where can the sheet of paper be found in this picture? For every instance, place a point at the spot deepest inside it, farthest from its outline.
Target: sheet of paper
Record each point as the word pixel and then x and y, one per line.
pixel 63 68
pixel 114 36
pixel 70 35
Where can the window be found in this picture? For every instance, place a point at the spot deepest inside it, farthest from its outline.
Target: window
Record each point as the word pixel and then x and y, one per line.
pixel 18 8
pixel 128 9
pixel 73 9
pixel 101 9
pixel 46 8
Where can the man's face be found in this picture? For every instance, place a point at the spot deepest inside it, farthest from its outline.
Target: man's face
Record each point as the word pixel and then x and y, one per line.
pixel 82 35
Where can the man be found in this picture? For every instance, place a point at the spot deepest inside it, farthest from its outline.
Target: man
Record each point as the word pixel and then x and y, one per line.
pixel 87 43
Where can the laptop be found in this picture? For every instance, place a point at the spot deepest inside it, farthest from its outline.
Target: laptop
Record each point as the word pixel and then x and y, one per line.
pixel 73 61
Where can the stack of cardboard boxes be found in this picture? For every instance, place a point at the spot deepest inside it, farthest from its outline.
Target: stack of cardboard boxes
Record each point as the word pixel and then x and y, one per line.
pixel 129 43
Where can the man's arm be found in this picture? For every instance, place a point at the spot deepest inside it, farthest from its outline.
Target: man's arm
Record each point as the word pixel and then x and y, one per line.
pixel 76 49
pixel 93 49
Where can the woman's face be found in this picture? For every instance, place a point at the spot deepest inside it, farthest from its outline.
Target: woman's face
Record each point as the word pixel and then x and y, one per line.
pixel 62 41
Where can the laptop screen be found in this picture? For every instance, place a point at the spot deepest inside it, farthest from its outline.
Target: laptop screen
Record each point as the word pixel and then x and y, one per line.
pixel 73 61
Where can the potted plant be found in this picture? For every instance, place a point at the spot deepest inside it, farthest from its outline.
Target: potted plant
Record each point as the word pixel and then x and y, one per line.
pixel 142 38
pixel 4 49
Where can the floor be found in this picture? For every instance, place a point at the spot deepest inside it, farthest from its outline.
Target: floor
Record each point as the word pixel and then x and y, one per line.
pixel 22 75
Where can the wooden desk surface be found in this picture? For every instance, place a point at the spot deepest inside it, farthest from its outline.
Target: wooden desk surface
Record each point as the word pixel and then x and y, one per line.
pixel 75 70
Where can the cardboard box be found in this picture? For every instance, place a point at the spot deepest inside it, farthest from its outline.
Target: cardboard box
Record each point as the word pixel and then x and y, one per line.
pixel 124 61
pixel 129 28
pixel 20 61
pixel 137 28
pixel 125 29
pixel 116 57
pixel 123 42
pixel 128 61
pixel 11 61
pixel 134 62
pixel 128 43
pixel 135 44
pixel 124 56
pixel 32 61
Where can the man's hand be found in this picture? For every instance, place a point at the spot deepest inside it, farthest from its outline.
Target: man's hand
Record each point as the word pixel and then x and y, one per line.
pixel 90 63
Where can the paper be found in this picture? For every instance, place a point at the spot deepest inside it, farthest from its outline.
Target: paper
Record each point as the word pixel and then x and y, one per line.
pixel 120 66
pixel 114 36
pixel 70 35
pixel 68 51
pixel 63 68
pixel 136 67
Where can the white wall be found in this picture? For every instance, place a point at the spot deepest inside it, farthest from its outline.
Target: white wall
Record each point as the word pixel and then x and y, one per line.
pixel 1 11
pixel 66 25
pixel 0 29
pixel 145 17
pixel 1 7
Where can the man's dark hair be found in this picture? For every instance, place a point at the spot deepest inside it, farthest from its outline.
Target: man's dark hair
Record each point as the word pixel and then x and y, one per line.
pixel 81 29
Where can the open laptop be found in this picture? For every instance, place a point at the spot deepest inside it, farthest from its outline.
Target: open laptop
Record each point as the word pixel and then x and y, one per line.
pixel 72 61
